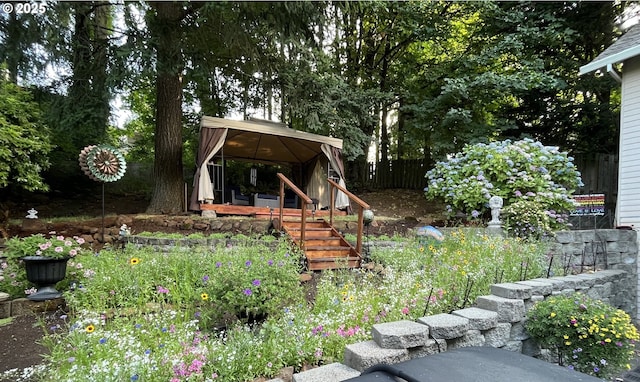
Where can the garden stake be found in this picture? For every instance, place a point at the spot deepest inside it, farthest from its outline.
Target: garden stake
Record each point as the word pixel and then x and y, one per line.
pixel 496 279
pixel 549 267
pixel 467 291
pixel 567 265
pixel 426 307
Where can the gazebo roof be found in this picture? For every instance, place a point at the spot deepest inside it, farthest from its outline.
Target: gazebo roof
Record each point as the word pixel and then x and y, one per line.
pixel 268 142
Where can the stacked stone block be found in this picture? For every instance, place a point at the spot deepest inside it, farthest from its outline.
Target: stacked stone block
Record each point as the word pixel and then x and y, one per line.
pixel 496 320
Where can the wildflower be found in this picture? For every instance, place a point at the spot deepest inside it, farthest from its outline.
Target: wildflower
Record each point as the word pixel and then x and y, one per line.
pixel 90 328
pixel 162 290
pixel 204 296
pixel 205 278
pixel 247 263
pixel 405 310
pixel 553 314
pixel 247 292
pixel 218 264
pixel 134 261
pixel 256 282
pixel 103 341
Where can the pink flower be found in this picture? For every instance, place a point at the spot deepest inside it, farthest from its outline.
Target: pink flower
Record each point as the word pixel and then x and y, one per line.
pixel 405 310
pixel 59 249
pixel 162 289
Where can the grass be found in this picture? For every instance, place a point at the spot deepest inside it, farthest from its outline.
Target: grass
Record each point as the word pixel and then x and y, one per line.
pixel 237 313
pixel 6 321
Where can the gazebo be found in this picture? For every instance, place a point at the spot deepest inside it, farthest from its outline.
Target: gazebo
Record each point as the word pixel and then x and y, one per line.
pixel 318 157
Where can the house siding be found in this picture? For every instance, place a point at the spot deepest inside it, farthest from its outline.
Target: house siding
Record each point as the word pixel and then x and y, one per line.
pixel 628 207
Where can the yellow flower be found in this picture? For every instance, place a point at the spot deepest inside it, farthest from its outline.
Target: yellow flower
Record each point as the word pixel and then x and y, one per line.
pixel 90 328
pixel 134 261
pixel 204 296
pixel 421 249
pixel 567 343
pixel 553 314
pixel 566 337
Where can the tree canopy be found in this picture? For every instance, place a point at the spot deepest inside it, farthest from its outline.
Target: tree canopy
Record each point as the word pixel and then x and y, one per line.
pixel 414 79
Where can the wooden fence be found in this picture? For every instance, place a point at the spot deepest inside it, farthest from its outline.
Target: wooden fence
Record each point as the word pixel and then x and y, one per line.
pixel 409 173
pixel 599 174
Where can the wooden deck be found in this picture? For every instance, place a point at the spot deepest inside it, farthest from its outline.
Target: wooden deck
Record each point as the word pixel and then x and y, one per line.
pixel 264 212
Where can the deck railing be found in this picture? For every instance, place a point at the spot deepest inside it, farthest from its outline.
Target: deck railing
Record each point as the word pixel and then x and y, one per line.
pixel 305 200
pixel 361 207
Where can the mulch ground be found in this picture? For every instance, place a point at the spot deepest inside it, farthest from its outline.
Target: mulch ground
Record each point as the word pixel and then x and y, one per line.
pixel 20 342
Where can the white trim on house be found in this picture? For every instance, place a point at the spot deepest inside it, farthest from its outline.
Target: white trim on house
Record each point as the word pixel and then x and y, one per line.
pixel 609 60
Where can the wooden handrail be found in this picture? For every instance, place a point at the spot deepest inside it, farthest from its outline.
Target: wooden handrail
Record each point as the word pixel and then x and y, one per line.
pixel 303 197
pixel 361 204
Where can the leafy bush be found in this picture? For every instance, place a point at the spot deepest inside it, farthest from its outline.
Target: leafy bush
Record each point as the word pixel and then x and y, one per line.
pixel 528 219
pixel 24 139
pixel 589 335
pixel 516 171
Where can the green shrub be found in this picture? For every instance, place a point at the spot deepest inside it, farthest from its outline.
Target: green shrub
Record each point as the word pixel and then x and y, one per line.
pixel 589 335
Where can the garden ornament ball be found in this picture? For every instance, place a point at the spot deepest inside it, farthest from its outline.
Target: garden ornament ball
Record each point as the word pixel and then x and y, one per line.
pixel 367 217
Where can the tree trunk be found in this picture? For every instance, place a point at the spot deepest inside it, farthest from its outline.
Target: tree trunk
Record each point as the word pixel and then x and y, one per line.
pixel 168 191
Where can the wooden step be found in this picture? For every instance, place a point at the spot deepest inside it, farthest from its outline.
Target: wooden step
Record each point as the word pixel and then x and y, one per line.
pixel 320 263
pixel 312 232
pixel 319 251
pixel 318 241
pixel 295 224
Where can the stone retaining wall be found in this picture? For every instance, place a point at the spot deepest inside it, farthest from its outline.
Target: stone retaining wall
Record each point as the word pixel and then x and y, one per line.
pixel 607 249
pixel 495 320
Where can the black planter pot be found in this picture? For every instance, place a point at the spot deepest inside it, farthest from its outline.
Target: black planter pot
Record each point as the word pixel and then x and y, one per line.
pixel 46 273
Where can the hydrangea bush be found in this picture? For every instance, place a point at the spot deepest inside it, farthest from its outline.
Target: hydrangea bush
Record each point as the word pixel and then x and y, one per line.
pixel 589 335
pixel 525 173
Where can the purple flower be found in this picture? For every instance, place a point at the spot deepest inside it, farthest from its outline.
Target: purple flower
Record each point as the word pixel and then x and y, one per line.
pixel 596 369
pixel 256 282
pixel 247 263
pixel 162 289
pixel 475 214
pixel 218 264
pixel 247 292
pixel 518 193
pixel 205 279
pixel 270 262
pixel 103 340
